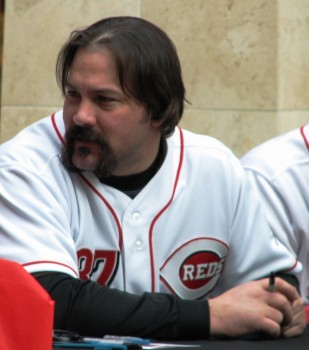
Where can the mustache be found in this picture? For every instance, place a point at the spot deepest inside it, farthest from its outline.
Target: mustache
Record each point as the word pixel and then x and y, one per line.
pixel 78 133
pixel 84 134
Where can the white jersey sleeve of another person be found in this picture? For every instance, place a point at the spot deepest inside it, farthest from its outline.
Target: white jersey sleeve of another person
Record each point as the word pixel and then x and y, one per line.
pixel 279 170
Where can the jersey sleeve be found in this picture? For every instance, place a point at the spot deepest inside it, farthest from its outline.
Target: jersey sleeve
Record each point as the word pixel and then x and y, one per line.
pixel 35 221
pixel 279 197
pixel 94 310
pixel 278 172
pixel 285 202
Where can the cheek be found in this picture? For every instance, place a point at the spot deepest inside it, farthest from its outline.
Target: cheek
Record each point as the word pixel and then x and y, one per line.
pixel 67 121
pixel 67 117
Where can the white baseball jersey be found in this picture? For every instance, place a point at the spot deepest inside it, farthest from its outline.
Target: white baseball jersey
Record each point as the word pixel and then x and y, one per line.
pixel 196 229
pixel 279 169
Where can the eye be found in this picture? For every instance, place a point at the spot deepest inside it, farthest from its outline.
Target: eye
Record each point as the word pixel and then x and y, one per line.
pixel 71 94
pixel 105 99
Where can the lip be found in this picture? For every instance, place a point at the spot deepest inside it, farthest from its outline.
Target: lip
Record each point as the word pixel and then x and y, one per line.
pixel 86 155
pixel 85 143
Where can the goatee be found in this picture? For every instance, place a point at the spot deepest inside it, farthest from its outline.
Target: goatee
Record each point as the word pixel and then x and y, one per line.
pixel 107 161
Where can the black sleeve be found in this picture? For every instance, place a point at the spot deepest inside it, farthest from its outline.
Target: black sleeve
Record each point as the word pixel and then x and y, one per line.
pixel 94 310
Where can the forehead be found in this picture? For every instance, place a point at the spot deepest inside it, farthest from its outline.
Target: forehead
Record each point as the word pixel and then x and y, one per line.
pixel 95 58
pixel 94 67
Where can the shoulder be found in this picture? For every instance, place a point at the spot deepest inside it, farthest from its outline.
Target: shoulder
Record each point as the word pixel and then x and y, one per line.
pixel 35 145
pixel 278 155
pixel 199 145
pixel 205 156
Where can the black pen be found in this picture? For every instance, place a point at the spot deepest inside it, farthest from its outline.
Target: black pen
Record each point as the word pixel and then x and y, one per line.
pixel 271 282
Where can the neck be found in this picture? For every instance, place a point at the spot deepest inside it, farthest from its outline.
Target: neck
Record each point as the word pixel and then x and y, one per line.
pixel 133 184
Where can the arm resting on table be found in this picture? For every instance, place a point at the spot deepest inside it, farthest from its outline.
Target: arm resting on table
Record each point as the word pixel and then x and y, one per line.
pixel 94 310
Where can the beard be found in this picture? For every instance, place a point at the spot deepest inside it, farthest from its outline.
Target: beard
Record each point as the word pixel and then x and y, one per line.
pixel 106 159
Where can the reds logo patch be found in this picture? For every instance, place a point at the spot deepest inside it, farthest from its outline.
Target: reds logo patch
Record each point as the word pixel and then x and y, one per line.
pixel 199 264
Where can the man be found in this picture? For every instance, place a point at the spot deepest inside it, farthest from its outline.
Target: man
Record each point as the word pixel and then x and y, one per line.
pixel 279 170
pixel 129 222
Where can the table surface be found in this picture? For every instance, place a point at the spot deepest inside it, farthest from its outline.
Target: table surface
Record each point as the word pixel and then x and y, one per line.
pixel 246 343
pixel 254 343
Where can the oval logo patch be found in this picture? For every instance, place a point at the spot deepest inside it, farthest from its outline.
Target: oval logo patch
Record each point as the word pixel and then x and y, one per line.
pixel 199 264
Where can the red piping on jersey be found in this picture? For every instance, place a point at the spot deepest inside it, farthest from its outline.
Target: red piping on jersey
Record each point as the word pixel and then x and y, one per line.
pixel 302 130
pixel 50 262
pixel 56 128
pixel 93 188
pixel 152 264
pixel 292 267
pixel 108 206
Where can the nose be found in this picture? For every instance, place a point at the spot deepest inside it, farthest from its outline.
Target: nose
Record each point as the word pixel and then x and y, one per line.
pixel 85 114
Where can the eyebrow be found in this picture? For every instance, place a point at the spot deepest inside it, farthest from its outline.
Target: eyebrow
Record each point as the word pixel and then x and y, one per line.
pixel 108 91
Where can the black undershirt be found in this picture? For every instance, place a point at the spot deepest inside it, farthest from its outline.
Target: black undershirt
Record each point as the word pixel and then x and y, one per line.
pixel 90 309
pixel 131 185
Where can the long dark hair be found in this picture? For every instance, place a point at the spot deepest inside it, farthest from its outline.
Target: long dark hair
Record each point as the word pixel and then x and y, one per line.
pixel 147 62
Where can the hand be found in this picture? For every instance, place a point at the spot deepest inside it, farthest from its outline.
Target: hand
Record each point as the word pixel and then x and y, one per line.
pixel 251 308
pixel 298 322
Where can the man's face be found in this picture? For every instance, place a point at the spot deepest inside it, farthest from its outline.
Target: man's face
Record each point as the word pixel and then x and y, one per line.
pixel 106 132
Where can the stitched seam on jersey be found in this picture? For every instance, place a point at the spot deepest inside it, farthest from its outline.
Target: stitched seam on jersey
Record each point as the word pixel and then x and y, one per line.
pixel 273 177
pixel 50 262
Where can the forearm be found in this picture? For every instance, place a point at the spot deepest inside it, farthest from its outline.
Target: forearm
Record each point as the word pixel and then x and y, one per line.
pixel 94 310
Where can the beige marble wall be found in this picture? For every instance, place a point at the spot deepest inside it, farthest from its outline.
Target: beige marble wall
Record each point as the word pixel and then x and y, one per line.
pixel 245 63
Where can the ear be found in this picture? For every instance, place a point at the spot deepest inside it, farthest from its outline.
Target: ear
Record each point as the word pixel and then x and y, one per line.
pixel 156 123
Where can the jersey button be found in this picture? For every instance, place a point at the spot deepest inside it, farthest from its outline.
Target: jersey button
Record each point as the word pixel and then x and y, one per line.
pixel 138 244
pixel 136 216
